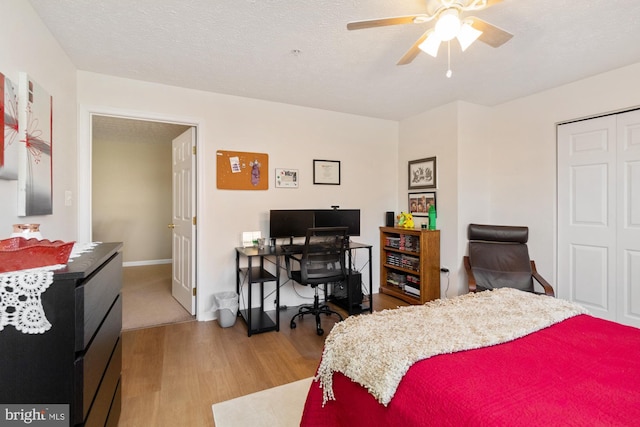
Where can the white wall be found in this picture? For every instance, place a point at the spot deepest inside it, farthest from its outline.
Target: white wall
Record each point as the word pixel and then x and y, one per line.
pixel 504 160
pixel 523 173
pixel 458 135
pixel 292 137
pixel 434 133
pixel 27 46
pixel 500 168
pixel 131 197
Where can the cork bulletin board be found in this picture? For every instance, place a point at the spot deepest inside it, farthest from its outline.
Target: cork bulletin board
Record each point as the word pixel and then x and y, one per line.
pixel 237 170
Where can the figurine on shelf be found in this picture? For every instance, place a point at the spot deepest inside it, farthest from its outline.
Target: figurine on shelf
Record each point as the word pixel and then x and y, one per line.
pixel 405 220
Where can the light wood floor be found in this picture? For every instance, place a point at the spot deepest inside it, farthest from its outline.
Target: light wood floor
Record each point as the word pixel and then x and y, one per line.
pixel 172 374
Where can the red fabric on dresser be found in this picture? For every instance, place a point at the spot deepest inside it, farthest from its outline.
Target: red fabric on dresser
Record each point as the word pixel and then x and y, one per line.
pixel 582 371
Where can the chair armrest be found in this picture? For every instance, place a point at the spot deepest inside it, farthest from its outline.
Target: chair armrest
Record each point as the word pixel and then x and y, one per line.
pixel 470 278
pixel 287 262
pixel 548 289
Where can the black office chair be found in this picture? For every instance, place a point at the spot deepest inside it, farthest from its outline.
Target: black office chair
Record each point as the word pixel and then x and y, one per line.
pixel 499 257
pixel 322 261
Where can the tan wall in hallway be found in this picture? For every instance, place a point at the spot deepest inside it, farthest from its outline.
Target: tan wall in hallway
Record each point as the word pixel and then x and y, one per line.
pixel 131 197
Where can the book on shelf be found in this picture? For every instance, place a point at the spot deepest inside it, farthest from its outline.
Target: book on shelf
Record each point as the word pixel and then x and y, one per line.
pixel 412 289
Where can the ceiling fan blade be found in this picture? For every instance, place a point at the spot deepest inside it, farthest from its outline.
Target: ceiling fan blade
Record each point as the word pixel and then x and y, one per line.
pixel 413 50
pixel 491 35
pixel 398 20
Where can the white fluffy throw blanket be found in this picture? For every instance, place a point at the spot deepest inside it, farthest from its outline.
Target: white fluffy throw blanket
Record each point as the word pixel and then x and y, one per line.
pixel 376 350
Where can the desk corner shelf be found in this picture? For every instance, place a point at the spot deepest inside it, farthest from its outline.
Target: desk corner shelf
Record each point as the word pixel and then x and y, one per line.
pixel 257 319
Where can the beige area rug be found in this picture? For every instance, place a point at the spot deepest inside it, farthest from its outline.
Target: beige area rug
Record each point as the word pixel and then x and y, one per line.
pixel 275 407
pixel 147 299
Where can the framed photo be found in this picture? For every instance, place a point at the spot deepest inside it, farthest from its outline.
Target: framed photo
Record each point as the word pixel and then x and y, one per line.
pixel 326 172
pixel 287 178
pixel 422 173
pixel 419 203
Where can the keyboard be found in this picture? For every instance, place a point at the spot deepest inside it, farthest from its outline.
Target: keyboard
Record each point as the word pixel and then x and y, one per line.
pixel 292 249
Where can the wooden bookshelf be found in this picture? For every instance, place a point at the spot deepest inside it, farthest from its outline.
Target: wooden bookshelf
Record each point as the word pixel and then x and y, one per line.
pixel 410 261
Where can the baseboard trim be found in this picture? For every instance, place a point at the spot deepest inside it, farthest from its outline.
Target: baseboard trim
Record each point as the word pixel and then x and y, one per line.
pixel 149 262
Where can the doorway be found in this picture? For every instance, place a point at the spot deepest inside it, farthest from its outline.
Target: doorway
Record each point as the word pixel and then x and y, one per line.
pixel 131 147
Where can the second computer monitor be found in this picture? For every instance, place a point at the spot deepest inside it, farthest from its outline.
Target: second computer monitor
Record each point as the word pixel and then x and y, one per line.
pixel 349 218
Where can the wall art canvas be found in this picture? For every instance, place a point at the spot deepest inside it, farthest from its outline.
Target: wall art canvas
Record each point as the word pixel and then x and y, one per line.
pixel 35 154
pixel 9 143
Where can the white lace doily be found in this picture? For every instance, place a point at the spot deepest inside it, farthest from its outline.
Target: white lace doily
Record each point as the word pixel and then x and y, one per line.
pixel 20 303
pixel 20 292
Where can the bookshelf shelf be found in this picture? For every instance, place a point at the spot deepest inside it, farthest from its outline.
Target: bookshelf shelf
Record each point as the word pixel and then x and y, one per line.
pixel 410 264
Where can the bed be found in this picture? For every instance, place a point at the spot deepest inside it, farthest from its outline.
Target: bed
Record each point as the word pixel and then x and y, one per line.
pixel 568 369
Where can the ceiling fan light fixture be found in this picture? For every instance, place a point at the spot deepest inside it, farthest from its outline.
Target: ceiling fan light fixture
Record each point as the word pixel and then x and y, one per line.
pixel 431 44
pixel 467 35
pixel 448 25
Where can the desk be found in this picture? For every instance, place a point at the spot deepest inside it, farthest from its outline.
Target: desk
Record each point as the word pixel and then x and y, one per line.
pixel 256 319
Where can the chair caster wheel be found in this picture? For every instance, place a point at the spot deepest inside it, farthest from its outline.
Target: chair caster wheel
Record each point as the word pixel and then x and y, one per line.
pixel 320 332
pixel 292 325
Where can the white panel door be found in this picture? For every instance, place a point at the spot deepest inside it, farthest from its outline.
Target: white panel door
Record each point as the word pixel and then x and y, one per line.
pixel 628 132
pixel 587 215
pixel 183 217
pixel 599 215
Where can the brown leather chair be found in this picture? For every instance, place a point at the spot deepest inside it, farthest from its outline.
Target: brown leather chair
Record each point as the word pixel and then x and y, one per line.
pixel 499 257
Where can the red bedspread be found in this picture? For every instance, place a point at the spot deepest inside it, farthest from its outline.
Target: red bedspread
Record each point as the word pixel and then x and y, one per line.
pixel 583 371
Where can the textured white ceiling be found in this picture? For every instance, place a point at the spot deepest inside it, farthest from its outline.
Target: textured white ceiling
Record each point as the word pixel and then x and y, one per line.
pixel 246 48
pixel 109 129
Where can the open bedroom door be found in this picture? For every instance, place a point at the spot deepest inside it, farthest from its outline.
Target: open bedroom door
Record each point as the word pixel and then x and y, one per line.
pixel 184 220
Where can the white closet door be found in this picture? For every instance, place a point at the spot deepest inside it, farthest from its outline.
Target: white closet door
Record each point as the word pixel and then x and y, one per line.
pixel 587 215
pixel 628 254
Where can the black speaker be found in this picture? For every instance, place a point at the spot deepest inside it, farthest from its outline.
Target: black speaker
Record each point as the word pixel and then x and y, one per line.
pixel 390 219
pixel 339 290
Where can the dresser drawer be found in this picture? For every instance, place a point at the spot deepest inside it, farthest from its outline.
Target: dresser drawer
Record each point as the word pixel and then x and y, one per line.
pixel 107 399
pixel 94 298
pixel 91 367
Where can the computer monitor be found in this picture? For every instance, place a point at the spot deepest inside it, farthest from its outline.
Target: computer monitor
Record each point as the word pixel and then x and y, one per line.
pixel 290 222
pixel 349 218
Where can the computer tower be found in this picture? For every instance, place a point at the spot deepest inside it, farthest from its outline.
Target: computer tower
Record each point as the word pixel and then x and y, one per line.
pixel 339 291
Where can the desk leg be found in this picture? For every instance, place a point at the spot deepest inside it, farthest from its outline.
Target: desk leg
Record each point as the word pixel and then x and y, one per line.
pixel 250 285
pixel 349 301
pixel 277 293
pixel 238 273
pixel 370 283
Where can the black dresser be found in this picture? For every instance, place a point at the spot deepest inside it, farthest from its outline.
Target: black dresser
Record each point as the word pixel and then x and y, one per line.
pixel 78 361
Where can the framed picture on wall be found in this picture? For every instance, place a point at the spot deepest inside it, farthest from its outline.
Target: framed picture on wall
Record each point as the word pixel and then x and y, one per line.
pixel 326 172
pixel 422 173
pixel 287 178
pixel 419 203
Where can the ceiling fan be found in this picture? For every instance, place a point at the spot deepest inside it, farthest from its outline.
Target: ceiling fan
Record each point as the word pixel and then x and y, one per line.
pixel 448 25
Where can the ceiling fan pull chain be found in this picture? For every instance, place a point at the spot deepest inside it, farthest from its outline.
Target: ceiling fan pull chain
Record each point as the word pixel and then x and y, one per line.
pixel 449 60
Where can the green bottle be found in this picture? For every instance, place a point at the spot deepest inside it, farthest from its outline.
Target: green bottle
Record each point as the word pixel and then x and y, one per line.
pixel 432 217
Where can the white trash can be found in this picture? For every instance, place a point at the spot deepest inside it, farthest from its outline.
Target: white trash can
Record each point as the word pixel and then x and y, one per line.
pixel 227 303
